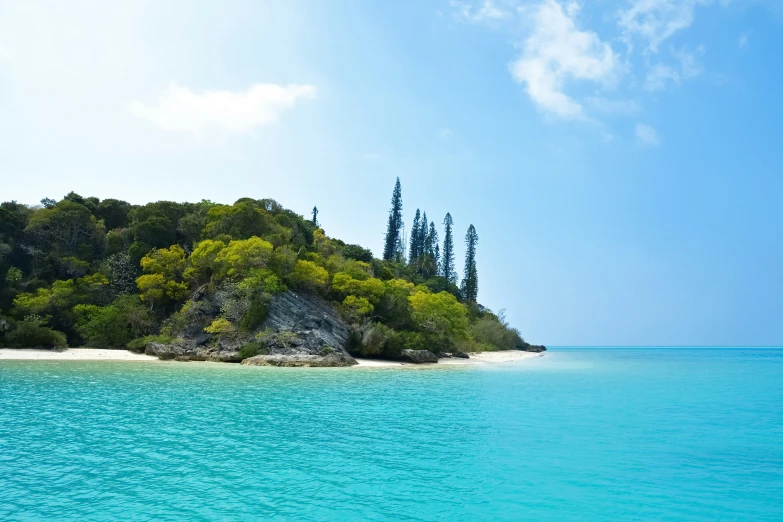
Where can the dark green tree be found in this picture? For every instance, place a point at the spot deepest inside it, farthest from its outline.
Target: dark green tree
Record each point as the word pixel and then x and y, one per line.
pixel 414 251
pixel 447 255
pixel 392 245
pixel 315 216
pixel 423 226
pixel 470 276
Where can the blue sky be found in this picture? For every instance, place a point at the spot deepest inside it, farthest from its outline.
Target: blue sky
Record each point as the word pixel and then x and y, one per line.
pixel 621 161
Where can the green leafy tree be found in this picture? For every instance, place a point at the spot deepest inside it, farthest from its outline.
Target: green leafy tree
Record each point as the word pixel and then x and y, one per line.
pixel 309 276
pixel 394 226
pixel 315 216
pixel 470 277
pixel 439 314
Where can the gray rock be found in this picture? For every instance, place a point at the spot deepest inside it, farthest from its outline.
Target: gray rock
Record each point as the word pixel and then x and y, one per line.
pixel 182 350
pixel 302 359
pixel 419 356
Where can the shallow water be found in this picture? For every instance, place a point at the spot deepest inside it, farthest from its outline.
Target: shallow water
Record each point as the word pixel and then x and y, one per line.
pixel 580 434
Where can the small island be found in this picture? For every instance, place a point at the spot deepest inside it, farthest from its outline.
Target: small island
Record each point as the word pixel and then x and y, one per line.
pixel 251 283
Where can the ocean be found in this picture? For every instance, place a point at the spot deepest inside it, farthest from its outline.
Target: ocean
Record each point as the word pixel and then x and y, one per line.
pixel 579 434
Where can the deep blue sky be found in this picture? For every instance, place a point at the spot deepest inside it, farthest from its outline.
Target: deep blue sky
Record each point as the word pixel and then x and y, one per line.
pixel 621 161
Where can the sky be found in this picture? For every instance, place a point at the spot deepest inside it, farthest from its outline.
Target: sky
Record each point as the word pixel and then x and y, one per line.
pixel 620 160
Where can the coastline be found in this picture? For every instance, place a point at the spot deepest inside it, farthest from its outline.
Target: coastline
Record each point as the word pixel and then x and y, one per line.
pixel 102 354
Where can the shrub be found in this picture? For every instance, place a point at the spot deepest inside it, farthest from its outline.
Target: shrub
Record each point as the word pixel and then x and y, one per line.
pixel 252 349
pixel 255 315
pixel 31 333
pixel 140 344
pixel 309 276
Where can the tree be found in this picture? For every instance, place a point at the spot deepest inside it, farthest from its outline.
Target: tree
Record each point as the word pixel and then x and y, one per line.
pixel 423 235
pixel 392 246
pixel 447 256
pixel 413 251
pixel 470 276
pixel 315 216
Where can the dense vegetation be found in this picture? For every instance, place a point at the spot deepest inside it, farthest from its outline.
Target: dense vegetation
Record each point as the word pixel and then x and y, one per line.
pixel 81 271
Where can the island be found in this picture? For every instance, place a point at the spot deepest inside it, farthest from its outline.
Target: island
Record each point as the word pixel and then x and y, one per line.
pixel 251 283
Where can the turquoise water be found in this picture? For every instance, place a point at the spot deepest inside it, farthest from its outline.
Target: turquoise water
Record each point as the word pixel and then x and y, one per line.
pixel 580 434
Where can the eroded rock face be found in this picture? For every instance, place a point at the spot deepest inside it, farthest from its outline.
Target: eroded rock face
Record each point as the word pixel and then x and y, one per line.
pixel 300 330
pixel 183 350
pixel 419 356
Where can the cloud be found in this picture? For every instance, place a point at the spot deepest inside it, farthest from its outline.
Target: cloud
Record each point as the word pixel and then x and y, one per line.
pixel 646 135
pixel 743 41
pixel 487 11
pixel 445 132
pixel 659 74
pixel 557 51
pixel 179 109
pixel 653 21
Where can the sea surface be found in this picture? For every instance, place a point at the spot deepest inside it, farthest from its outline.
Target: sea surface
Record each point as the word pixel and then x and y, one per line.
pixel 579 434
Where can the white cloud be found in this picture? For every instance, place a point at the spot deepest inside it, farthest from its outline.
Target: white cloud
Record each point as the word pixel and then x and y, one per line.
pixel 557 51
pixel 653 21
pixel 445 132
pixel 487 11
pixel 659 74
pixel 743 41
pixel 646 135
pixel 179 109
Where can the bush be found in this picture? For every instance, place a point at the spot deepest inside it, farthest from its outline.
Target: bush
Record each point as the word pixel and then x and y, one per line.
pixel 252 349
pixel 116 325
pixel 31 333
pixel 490 333
pixel 255 315
pixel 140 344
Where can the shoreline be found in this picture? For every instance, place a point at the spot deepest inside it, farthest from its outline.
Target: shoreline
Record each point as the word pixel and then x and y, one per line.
pixel 103 354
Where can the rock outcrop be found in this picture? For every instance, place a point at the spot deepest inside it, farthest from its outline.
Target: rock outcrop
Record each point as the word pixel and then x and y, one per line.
pixel 300 330
pixel 535 348
pixel 330 359
pixel 184 350
pixel 419 356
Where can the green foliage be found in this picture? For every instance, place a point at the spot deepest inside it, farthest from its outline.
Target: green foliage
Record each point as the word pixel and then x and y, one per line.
pixel 357 252
pixel 309 276
pixel 115 325
pixel 370 289
pixel 240 257
pixel 470 278
pixel 140 344
pixel 393 245
pixel 355 308
pixel 252 349
pixel 222 328
pixel 31 333
pixel 440 314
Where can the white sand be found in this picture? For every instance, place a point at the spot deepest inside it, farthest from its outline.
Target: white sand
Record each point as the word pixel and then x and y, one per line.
pixel 99 354
pixel 475 359
pixel 73 354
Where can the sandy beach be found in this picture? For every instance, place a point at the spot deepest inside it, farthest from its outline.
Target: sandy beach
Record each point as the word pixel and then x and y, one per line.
pixel 73 354
pixel 99 354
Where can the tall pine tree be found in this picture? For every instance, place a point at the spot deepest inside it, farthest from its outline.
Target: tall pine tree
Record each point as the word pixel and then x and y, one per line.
pixel 423 234
pixel 414 252
pixel 470 276
pixel 447 255
pixel 392 245
pixel 431 245
pixel 315 216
